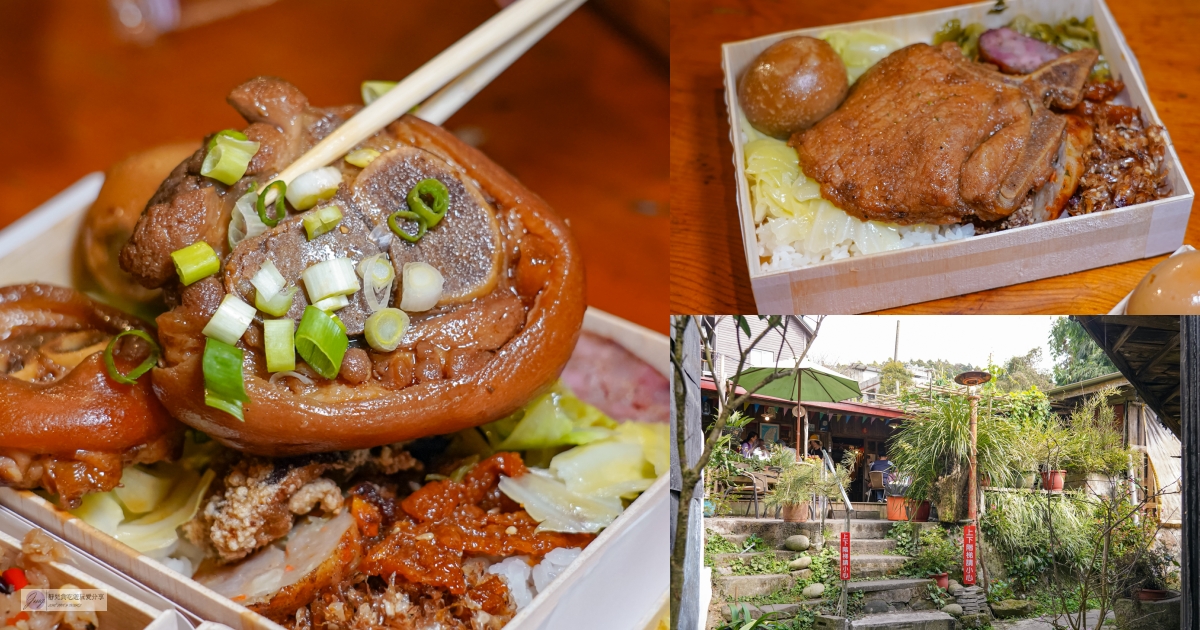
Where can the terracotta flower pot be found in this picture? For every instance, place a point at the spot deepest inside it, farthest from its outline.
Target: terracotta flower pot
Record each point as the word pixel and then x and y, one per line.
pixel 942 579
pixel 1151 595
pixel 898 509
pixel 1053 480
pixel 796 513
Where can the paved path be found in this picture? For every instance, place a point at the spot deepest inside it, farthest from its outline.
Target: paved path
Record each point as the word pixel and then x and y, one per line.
pixel 1046 623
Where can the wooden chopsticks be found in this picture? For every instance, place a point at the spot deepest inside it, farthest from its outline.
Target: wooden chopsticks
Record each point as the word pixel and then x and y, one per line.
pixel 464 68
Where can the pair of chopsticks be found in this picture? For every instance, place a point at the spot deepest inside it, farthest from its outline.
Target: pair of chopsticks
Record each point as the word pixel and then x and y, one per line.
pixel 456 75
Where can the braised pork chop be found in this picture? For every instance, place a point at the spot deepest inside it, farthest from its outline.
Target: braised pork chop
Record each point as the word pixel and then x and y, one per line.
pixel 928 136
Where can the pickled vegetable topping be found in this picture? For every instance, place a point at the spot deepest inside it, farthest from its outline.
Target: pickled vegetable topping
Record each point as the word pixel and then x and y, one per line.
pixel 446 521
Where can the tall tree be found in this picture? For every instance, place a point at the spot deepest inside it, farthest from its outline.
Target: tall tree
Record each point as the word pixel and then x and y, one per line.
pixel 1021 372
pixel 894 372
pixel 1076 356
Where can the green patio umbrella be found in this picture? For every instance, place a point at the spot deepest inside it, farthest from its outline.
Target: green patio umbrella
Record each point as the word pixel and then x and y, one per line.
pixel 816 385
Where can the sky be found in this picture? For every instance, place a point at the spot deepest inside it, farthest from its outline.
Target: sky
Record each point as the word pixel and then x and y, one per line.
pixel 955 338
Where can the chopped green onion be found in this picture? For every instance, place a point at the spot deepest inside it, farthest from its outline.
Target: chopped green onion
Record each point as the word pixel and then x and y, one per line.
pixel 143 367
pixel 280 207
pixel 334 303
pixel 230 321
pixel 435 192
pixel 195 261
pixel 270 296
pixel 329 278
pixel 362 157
pixel 243 220
pixel 224 386
pixel 279 341
pixel 378 275
pixel 372 90
pixel 226 133
pixel 338 320
pixel 278 305
pixel 228 157
pixel 321 220
pixel 320 183
pixel 421 287
pixel 411 216
pixel 385 328
pixel 321 341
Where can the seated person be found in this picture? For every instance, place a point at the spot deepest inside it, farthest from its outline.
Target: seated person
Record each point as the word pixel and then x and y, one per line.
pixel 814 447
pixel 884 466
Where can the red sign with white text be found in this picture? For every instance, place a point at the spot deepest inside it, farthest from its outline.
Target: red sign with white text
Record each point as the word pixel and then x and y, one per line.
pixel 969 554
pixel 845 555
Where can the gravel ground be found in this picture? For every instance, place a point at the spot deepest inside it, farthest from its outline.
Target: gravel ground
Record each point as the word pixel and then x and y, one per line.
pixel 1047 623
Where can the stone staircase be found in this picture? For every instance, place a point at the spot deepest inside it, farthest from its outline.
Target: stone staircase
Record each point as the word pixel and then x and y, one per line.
pixel 870 557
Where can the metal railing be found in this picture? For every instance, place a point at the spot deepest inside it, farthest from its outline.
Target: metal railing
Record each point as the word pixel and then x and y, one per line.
pixel 828 468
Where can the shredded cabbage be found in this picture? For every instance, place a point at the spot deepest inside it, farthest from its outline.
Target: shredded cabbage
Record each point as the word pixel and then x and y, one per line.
pixel 860 49
pixel 556 508
pixel 556 418
pixel 142 488
pixel 789 209
pixel 590 461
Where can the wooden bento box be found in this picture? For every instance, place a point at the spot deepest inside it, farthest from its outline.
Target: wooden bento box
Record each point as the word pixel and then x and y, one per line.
pixel 927 272
pixel 129 604
pixel 619 581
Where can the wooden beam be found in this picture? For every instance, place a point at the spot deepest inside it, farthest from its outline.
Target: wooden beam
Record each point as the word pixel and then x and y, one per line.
pixel 1155 322
pixel 1173 396
pixel 1124 337
pixel 1158 356
pixel 1094 327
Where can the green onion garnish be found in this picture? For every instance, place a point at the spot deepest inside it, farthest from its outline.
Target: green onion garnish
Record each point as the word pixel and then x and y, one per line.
pixel 321 341
pixel 362 157
pixel 230 321
pixel 434 191
pixel 321 220
pixel 316 185
pixel 280 205
pixel 226 133
pixel 411 216
pixel 372 90
pixel 420 286
pixel 229 154
pixel 333 303
pixel 270 294
pixel 330 278
pixel 385 328
pixel 279 339
pixel 195 261
pixel 143 367
pixel 224 388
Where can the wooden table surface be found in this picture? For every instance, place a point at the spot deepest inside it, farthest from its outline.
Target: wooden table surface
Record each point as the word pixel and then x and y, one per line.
pixel 581 119
pixel 708 266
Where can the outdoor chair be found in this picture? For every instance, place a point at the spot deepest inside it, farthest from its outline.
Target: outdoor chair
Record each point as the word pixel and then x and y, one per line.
pixel 875 485
pixel 748 487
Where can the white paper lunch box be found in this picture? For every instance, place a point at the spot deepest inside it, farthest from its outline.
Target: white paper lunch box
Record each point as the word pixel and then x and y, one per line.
pixel 917 274
pixel 619 581
pixel 130 605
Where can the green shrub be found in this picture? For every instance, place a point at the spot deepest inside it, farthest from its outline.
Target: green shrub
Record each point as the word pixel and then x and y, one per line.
pixel 938 553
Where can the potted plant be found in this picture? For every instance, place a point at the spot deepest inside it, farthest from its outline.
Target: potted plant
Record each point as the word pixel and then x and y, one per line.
pixel 793 492
pixel 937 556
pixel 1151 570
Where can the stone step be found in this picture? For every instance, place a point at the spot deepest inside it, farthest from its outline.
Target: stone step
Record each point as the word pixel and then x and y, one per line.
pixel 893 595
pixel 861 564
pixel 906 621
pixel 857 545
pixel 875 565
pixel 732 587
pixel 775 531
pixel 726 559
pixel 777 611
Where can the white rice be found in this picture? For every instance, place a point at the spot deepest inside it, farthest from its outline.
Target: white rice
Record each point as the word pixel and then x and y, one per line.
pixel 779 256
pixel 524 581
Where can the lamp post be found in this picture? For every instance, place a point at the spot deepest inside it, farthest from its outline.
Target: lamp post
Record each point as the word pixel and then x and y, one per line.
pixel 971 379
